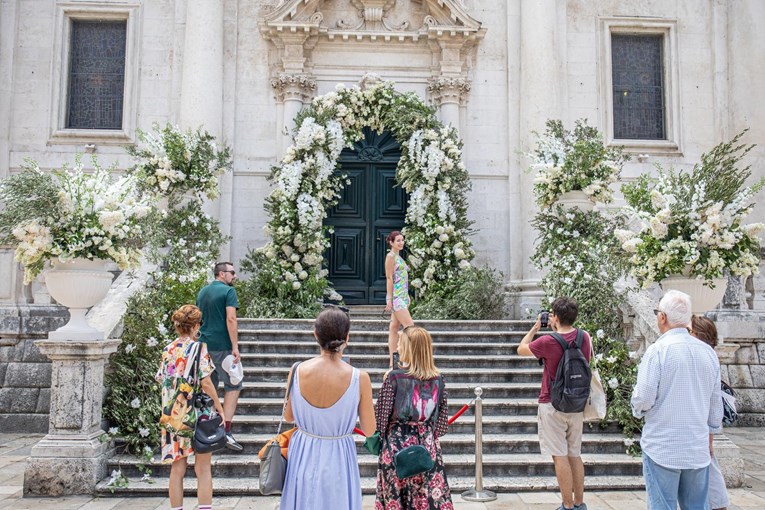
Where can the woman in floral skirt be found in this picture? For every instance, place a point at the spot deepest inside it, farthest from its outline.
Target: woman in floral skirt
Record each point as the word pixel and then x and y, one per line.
pixel 412 410
pixel 176 423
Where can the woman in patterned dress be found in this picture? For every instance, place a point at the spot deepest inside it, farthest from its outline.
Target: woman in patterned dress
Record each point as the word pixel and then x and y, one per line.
pixel 174 376
pixel 397 290
pixel 411 409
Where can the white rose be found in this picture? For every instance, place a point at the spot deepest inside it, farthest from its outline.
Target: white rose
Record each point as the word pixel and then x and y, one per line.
pixel 296 285
pixel 443 238
pixel 613 383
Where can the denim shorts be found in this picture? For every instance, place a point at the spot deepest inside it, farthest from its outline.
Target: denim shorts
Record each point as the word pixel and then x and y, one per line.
pixel 221 375
pixel 666 488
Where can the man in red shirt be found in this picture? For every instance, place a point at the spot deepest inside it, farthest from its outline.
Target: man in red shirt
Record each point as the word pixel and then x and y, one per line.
pixel 560 434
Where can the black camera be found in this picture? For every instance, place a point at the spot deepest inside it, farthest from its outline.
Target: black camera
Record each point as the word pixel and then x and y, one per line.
pixel 544 317
pixel 203 401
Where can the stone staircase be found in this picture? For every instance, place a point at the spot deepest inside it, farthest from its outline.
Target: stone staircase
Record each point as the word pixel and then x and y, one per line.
pixel 469 353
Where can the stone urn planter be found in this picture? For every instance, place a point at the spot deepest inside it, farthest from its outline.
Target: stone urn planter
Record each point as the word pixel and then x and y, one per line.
pixel 78 285
pixel 575 199
pixel 703 298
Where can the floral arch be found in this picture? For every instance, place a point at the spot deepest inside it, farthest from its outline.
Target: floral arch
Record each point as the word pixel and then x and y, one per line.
pixel 430 170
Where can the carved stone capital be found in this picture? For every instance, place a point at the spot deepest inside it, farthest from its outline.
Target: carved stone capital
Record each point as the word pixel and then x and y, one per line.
pixel 444 89
pixel 290 86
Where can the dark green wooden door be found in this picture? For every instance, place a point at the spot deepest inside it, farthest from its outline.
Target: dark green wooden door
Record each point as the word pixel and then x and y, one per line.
pixel 370 207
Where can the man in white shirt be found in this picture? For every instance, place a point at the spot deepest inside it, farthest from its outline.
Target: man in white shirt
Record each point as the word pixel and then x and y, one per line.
pixel 677 391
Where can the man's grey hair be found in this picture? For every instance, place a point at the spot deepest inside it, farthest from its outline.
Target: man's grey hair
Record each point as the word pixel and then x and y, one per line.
pixel 676 306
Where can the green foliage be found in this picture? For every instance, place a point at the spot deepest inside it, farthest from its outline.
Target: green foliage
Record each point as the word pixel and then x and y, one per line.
pixel 28 194
pixel 692 223
pixel 475 294
pixel 72 213
pixel 288 279
pixel 173 162
pixel 618 371
pixel 580 256
pixel 267 295
pixel 574 160
pixel 187 245
pixel 133 403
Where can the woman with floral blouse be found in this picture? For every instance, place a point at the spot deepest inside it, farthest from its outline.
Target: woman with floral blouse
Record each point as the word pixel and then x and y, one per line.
pixel 412 410
pixel 177 420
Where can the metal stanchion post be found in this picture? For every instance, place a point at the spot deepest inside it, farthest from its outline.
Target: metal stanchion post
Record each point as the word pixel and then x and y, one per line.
pixel 478 493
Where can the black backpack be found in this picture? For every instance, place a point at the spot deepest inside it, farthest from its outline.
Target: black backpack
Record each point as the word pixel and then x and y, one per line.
pixel 570 390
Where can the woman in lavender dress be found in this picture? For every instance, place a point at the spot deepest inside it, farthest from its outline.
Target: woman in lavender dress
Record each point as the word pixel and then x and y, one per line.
pixel 397 290
pixel 327 397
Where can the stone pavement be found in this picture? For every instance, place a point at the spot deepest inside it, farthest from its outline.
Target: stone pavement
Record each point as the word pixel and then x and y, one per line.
pixel 14 449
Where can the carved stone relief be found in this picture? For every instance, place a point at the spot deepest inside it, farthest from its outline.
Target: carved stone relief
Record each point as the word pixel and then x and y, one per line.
pixel 295 27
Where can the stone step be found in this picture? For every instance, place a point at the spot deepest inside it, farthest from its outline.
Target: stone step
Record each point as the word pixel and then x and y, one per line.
pixel 253 389
pixel 491 407
pixel 249 486
pixel 514 464
pixel 452 375
pixel 282 346
pixel 266 336
pixel 497 424
pixel 521 424
pixel 381 360
pixel 376 323
pixel 464 443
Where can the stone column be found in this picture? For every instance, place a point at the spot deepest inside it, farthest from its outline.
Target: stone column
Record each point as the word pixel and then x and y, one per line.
pixel 202 88
pixel 449 93
pixel 71 459
pixel 539 93
pixel 202 81
pixel 293 90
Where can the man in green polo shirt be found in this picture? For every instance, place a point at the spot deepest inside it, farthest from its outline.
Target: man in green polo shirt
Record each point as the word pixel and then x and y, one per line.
pixel 218 303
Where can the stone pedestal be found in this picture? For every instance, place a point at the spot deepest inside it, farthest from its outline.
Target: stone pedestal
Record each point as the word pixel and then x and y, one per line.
pixel 729 458
pixel 71 459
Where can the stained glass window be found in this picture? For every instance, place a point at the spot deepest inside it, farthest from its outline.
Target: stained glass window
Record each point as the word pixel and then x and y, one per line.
pixel 96 74
pixel 638 81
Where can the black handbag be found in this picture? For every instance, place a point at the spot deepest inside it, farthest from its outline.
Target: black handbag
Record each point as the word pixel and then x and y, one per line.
pixel 209 435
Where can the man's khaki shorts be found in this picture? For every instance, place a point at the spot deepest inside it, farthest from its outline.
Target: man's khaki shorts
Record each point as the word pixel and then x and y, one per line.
pixel 560 434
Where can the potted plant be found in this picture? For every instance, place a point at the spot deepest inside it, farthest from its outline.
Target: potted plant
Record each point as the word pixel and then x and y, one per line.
pixel 77 221
pixel 174 165
pixel 691 228
pixel 574 168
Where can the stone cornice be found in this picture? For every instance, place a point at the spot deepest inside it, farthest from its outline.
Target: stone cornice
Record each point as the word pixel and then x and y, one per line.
pixel 293 86
pixel 445 19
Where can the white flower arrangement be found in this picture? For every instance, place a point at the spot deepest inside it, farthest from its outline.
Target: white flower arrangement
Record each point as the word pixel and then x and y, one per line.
pixel 72 213
pixel 177 162
pixel 305 184
pixel 574 160
pixel 692 223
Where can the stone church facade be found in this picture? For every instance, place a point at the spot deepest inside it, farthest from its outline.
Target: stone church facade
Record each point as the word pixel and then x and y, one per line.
pixel 668 79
